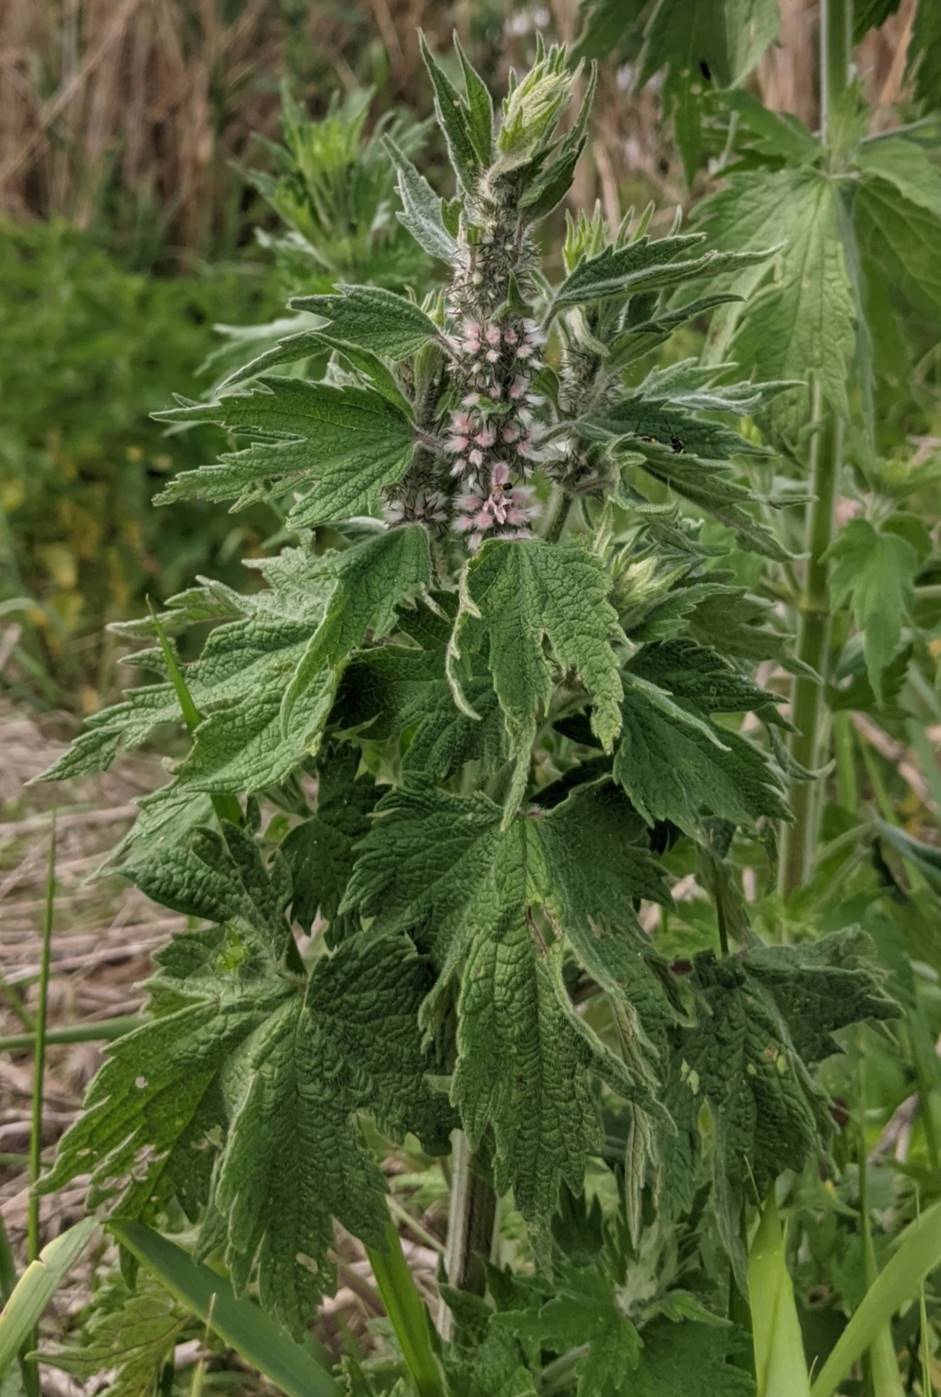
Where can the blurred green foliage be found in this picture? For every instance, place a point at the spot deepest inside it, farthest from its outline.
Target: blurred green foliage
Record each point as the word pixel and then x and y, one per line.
pixel 88 351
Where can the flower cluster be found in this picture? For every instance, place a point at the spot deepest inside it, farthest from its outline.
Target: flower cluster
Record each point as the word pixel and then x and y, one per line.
pixel 490 435
pixel 423 506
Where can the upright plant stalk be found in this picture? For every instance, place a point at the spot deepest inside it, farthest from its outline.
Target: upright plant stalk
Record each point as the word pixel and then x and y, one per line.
pixel 807 701
pixel 28 1369
pixel 39 1072
pixel 808 711
pixel 471 1219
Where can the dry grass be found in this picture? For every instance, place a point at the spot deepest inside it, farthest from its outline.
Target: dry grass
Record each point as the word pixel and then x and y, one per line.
pixel 134 109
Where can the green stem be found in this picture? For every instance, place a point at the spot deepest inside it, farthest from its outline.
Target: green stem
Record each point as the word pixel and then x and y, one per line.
pixel 845 750
pixel 836 42
pixel 807 706
pixel 39 1069
pixel 558 514
pixel 408 1315
pixel 813 639
pixel 100 1032
pixel 471 1222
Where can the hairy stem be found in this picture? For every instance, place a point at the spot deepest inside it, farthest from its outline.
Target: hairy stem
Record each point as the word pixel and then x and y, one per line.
pixel 836 38
pixel 807 703
pixel 558 514
pixel 471 1222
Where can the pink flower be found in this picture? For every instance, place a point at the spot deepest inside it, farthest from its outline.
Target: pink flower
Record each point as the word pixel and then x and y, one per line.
pixel 475 457
pixel 493 356
pixel 469 502
pixel 500 474
pixel 457 443
pixel 510 432
pixel 483 520
pixel 492 334
pixel 487 437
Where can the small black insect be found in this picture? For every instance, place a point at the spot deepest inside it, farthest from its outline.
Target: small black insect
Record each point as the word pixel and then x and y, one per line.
pixel 705 70
pixel 676 445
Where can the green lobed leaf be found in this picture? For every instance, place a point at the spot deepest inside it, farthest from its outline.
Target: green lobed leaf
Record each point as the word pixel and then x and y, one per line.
pixel 515 595
pixel 801 324
pixel 338 446
pixel 372 579
pixel 130 1334
pixel 907 166
pixel 241 1093
pixel 454 118
pixel 421 207
pixel 697 1360
pixel 523 1071
pixel 442 868
pixel 400 691
pixel 702 42
pixel 292 1160
pixel 763 1020
pixel 319 851
pixel 373 319
pixel 584 1314
pixel 899 235
pixel 676 765
pixel 711 486
pixel 874 570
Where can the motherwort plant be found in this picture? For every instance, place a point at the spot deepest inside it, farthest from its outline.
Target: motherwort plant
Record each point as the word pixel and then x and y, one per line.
pixel 441 770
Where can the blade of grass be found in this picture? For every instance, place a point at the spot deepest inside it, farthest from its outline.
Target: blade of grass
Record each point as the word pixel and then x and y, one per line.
pixel 238 1322
pixel 37 1285
pixel 780 1365
pixel 28 1367
pixel 39 1066
pixel 408 1315
pixel 101 1031
pixel 884 1375
pixel 917 1252
pixel 924 1349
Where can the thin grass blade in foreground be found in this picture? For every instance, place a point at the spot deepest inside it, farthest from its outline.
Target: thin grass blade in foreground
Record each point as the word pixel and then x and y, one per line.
pixel 408 1315
pixel 780 1365
pixel 238 1323
pixel 36 1287
pixel 917 1254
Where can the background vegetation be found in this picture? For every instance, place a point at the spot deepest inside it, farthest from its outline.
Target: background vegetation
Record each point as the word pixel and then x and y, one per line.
pixel 158 180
